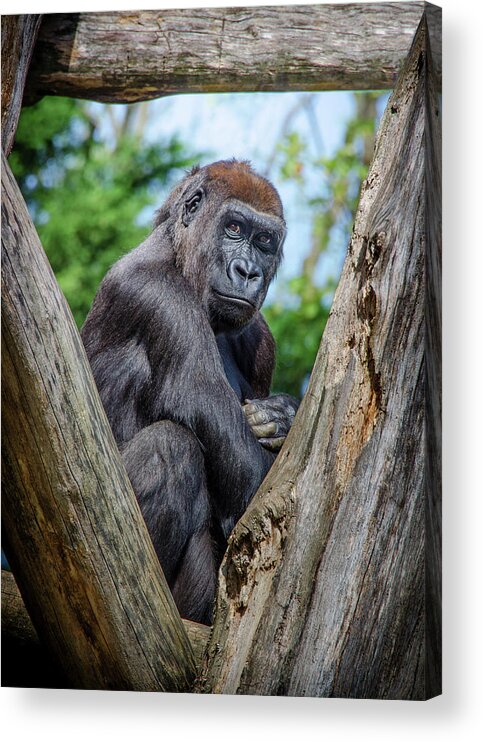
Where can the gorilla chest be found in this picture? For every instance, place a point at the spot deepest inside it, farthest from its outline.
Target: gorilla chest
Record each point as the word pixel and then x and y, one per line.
pixel 235 377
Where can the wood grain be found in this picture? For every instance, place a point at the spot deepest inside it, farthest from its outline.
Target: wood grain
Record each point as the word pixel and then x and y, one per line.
pixel 331 579
pixel 133 56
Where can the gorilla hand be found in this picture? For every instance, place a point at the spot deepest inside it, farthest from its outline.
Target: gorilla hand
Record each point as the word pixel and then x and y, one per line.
pixel 270 419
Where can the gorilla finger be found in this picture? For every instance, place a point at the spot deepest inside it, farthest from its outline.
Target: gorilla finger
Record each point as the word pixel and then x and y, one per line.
pixel 265 431
pixel 251 410
pixel 249 407
pixel 273 444
pixel 258 417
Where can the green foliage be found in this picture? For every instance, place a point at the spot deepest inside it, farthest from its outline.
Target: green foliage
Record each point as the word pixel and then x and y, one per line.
pixel 87 198
pixel 298 317
pixel 292 149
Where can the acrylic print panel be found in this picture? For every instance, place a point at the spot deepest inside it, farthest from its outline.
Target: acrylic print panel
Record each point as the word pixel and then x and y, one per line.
pixel 330 585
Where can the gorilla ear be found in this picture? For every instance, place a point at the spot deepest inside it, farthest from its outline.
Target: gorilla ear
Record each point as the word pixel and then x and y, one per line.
pixel 191 207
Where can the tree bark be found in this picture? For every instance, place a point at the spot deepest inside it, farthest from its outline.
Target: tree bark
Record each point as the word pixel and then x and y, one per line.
pixel 19 33
pixel 74 534
pixel 331 582
pixel 132 56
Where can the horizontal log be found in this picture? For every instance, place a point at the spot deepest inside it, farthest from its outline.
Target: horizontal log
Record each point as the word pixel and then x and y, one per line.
pixel 16 622
pixel 26 661
pixel 132 56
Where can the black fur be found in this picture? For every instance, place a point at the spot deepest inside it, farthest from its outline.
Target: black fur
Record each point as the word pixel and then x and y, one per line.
pixel 174 358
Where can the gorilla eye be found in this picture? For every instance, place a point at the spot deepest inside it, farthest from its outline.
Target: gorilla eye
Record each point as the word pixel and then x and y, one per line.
pixel 265 241
pixel 234 228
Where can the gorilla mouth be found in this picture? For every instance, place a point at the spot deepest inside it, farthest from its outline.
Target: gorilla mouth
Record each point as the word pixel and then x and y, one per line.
pixel 235 299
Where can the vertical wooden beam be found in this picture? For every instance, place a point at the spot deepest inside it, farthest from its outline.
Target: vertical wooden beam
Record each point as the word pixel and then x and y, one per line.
pixel 73 532
pixel 19 33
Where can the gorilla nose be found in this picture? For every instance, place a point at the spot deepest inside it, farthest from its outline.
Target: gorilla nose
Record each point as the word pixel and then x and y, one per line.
pixel 245 275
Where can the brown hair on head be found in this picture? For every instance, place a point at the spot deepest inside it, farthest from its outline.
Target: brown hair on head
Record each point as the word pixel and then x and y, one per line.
pixel 237 179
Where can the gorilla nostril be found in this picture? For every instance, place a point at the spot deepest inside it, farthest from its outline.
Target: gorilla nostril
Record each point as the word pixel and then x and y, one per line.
pixel 244 270
pixel 255 272
pixel 240 269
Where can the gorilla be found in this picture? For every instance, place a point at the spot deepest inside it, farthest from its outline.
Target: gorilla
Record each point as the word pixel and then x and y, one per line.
pixel 183 362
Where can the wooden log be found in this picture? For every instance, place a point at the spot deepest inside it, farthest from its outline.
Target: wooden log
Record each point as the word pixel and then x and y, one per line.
pixel 73 532
pixel 19 33
pixel 331 582
pixel 25 660
pixel 133 56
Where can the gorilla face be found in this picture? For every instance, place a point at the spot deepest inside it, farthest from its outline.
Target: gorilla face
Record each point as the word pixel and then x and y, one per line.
pixel 248 248
pixel 230 236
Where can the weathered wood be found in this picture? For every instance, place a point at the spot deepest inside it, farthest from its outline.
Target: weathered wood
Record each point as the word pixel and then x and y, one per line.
pixel 73 532
pixel 325 589
pixel 27 659
pixel 19 33
pixel 133 56
pixel 198 635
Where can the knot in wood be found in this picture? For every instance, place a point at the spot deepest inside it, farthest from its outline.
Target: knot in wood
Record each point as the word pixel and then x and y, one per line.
pixel 367 305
